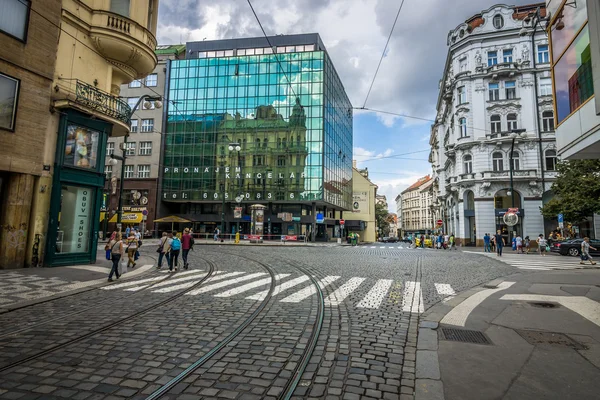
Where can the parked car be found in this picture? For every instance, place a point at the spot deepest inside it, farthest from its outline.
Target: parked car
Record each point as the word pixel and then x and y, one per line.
pixel 573 247
pixel 390 240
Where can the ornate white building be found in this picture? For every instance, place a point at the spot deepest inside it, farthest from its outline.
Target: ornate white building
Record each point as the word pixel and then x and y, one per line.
pixel 496 80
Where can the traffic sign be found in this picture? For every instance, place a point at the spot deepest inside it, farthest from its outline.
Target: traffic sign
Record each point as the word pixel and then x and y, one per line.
pixel 561 218
pixel 320 218
pixel 145 212
pixel 439 222
pixel 342 222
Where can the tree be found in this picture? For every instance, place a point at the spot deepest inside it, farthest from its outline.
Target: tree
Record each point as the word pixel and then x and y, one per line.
pixel 576 191
pixel 381 217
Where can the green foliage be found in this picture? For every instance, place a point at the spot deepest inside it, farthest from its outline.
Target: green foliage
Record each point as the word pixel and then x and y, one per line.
pixel 381 214
pixel 576 191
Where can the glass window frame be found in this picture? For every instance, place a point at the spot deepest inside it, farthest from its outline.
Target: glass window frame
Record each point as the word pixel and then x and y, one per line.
pixel 512 123
pixel 25 23
pixel 145 148
pixel 543 54
pixel 110 148
pixel 495 91
pixel 495 124
pixel 497 162
pixel 492 58
pixel 136 83
pixel 15 102
pixel 462 95
pixel 510 90
pixel 147 128
pixel 145 172
pixel 133 127
pixel 154 80
pixel 129 171
pixel 547 121
pixel 130 149
pixel 507 54
pixel 550 160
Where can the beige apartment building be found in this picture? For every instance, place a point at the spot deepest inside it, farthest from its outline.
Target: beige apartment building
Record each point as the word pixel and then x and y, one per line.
pixel 417 215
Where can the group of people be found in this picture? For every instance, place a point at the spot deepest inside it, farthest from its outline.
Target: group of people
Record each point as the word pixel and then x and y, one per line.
pixel 117 247
pixel 444 241
pixel 169 247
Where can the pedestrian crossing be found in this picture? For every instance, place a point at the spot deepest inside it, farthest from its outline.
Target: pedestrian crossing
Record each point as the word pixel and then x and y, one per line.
pixel 365 293
pixel 534 261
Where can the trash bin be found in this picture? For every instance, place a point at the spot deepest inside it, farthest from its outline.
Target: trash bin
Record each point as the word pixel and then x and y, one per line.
pixel 339 240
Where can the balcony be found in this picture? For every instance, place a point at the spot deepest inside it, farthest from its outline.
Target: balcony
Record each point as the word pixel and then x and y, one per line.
pixel 125 43
pixel 467 177
pixel 498 70
pixel 505 175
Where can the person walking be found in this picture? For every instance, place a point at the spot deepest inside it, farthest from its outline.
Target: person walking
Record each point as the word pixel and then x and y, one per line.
pixel 499 241
pixel 486 243
pixel 187 241
pixel 514 243
pixel 175 249
pixel 446 241
pixel 163 249
pixel 132 246
pixel 527 244
pixel 127 232
pixel 217 234
pixel 451 241
pixel 542 243
pixel 422 241
pixel 116 252
pixel 585 251
pixel 519 243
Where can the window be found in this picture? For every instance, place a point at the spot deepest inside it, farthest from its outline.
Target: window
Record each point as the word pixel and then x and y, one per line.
pixel 257 161
pixel 543 54
pixel 14 18
pixel 110 148
pixel 511 89
pixel 507 56
pixel 151 80
pixel 135 84
pixel 496 126
pixel 545 87
pixel 281 161
pixel 134 126
pixel 514 160
pixel 120 7
pixel 130 149
pixel 498 21
pixel 9 96
pixel 497 162
pixel 145 148
pixel 148 125
pixel 462 65
pixel 547 121
pixel 511 119
pixel 463 127
pixel 132 101
pixel 468 164
pixel 550 160
pixel 462 95
pixel 128 171
pixel 108 171
pixel 143 171
pixel 494 91
pixel 492 58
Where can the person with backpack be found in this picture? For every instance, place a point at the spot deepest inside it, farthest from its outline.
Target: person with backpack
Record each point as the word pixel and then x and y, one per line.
pixel 164 245
pixel 175 249
pixel 187 241
pixel 542 243
pixel 116 252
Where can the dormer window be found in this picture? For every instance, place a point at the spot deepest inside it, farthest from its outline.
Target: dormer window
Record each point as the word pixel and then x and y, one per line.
pixel 498 21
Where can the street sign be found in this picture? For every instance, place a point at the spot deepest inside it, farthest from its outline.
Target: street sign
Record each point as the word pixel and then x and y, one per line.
pixel 320 218
pixel 342 222
pixel 439 222
pixel 145 212
pixel 561 221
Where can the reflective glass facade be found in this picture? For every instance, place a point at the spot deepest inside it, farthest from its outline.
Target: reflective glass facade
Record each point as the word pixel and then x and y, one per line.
pixel 288 112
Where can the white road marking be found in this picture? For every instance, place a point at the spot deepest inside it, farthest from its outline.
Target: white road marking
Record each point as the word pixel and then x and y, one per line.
pixel 134 283
pixel 445 289
pixel 412 299
pixel 376 295
pixel 280 288
pixel 587 308
pixel 373 247
pixel 459 314
pixel 92 268
pixel 174 280
pixel 310 290
pixel 340 294
pixel 225 283
pixel 250 286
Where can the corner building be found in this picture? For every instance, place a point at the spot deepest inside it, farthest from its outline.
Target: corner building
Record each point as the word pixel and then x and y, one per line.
pixel 287 108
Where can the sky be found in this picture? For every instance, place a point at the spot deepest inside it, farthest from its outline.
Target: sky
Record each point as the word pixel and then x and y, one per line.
pixel 394 149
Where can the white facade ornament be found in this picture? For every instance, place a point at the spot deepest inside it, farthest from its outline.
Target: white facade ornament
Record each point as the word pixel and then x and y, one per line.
pixel 525 54
pixel 477 58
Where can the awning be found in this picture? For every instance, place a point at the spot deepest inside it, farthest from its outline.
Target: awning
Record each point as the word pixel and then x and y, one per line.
pixel 128 218
pixel 172 219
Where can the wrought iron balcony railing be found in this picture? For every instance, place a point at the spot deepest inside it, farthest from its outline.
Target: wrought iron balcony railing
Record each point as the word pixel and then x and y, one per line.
pixel 103 102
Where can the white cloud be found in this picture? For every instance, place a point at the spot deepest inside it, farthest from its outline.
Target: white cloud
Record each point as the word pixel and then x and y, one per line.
pixel 361 154
pixel 393 187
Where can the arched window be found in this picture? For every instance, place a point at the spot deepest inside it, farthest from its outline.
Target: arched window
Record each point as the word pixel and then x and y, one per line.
pixel 278 142
pixel 265 143
pixel 496 125
pixel 468 164
pixel 462 123
pixel 257 143
pixel 547 121
pixel 550 160
pixel 497 162
pixel 284 143
pixel 515 161
pixel 511 120
pixel 498 21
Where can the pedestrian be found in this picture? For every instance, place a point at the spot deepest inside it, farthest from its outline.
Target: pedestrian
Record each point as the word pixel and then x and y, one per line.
pixel 217 234
pixel 127 232
pixel 422 241
pixel 499 240
pixel 187 241
pixel 542 243
pixel 527 244
pixel 519 243
pixel 175 249
pixel 451 241
pixel 163 249
pixel 446 241
pixel 440 239
pixel 514 243
pixel 132 246
pixel 486 243
pixel 116 252
pixel 585 251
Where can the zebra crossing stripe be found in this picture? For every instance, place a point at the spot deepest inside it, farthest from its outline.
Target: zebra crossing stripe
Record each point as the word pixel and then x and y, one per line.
pixel 343 291
pixel 444 289
pixel 310 290
pixel 250 286
pixel 168 282
pixel 190 284
pixel 376 295
pixel 412 299
pixel 134 283
pixel 175 280
pixel 225 283
pixel 280 288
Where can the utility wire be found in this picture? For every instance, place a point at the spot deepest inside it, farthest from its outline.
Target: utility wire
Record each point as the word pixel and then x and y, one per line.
pixel 383 53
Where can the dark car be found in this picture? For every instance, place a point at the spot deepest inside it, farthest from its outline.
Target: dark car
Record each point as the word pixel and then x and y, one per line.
pixel 573 247
pixel 390 240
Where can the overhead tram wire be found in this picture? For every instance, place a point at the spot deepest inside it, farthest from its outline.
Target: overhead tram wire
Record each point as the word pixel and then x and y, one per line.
pixel 383 53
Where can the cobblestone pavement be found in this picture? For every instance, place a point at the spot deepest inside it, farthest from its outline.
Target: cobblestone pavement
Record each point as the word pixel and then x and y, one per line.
pixel 365 348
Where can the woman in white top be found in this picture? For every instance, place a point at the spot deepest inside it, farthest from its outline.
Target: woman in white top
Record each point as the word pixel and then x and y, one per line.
pixel 116 252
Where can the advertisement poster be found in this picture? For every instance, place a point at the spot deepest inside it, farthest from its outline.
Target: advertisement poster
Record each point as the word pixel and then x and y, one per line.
pixel 81 148
pixel 360 202
pixel 237 213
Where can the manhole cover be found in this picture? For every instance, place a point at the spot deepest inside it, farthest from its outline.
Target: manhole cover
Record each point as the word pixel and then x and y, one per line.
pixel 551 338
pixel 464 335
pixel 544 305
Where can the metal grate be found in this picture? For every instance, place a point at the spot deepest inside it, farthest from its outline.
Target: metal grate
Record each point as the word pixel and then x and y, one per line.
pixel 464 335
pixel 550 338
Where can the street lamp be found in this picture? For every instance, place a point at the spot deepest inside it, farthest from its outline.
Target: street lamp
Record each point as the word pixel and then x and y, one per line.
pixel 515 133
pixel 232 147
pixel 147 99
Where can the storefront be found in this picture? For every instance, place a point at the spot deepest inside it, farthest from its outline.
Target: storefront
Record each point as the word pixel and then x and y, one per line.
pixel 76 190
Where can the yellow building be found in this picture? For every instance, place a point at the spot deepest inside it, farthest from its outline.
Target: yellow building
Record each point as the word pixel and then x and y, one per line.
pixel 100 45
pixel 362 219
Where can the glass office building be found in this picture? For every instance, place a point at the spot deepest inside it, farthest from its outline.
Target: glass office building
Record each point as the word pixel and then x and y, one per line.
pixel 285 107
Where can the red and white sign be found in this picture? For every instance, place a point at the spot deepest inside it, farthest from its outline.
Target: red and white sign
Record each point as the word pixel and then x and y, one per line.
pixel 342 222
pixel 439 222
pixel 254 237
pixel 512 211
pixel 291 238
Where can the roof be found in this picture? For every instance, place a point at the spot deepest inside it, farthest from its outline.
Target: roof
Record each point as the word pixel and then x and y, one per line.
pixel 175 49
pixel 417 184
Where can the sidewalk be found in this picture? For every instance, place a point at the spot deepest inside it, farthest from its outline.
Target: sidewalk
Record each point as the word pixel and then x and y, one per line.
pixel 267 243
pixel 543 340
